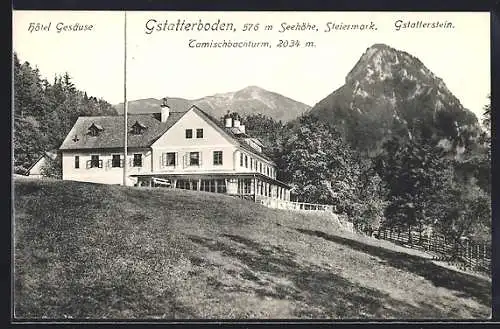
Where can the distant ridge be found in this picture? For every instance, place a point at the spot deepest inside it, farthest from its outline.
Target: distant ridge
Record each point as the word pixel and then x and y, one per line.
pixel 249 100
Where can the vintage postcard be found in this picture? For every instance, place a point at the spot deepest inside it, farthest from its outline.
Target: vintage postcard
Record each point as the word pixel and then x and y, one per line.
pixel 173 165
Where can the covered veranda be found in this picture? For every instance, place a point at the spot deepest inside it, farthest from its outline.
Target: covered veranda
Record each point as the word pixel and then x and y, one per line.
pixel 246 185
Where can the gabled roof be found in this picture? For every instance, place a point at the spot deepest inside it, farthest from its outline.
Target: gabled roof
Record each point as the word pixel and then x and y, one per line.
pixel 238 138
pixel 111 135
pixel 95 126
pixel 138 124
pixel 111 132
pixel 52 154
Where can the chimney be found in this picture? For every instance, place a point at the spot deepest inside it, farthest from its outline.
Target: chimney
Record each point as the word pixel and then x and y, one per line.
pixel 236 121
pixel 165 110
pixel 228 120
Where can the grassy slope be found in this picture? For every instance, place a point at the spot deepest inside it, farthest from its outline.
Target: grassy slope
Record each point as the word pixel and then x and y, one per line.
pixel 93 251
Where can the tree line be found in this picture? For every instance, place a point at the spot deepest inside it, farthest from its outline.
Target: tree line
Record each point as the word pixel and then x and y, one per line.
pixel 44 113
pixel 412 183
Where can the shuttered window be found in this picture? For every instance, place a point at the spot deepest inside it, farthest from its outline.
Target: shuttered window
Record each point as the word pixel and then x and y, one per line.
pixel 115 161
pixel 194 158
pixel 94 161
pixel 168 159
pixel 137 160
pixel 217 158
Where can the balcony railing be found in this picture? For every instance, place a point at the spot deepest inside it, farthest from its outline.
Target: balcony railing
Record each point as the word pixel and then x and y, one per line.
pixel 291 205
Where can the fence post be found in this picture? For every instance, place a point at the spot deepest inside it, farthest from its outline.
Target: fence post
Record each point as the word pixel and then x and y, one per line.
pixel 477 258
pixel 484 255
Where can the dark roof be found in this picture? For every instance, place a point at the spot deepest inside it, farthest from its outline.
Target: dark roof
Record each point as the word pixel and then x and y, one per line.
pixel 111 135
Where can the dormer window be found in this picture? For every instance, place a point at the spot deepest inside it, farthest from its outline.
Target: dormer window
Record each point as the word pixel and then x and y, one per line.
pixel 138 128
pixel 95 129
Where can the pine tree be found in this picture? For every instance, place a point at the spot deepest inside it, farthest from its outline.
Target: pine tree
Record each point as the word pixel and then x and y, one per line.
pixel 44 113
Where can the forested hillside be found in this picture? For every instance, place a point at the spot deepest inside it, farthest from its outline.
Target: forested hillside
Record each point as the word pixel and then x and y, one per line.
pixel 44 112
pixel 413 183
pixel 391 149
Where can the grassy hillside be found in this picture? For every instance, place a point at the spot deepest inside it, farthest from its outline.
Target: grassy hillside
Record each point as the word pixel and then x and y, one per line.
pixel 94 251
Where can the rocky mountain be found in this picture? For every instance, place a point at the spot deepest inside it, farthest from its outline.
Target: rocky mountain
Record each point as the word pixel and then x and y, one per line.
pixel 392 92
pixel 250 100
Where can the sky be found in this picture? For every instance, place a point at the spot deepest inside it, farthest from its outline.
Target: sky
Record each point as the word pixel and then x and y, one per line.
pixel 161 63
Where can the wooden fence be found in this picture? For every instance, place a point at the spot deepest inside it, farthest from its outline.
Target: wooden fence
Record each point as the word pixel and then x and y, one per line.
pixel 466 255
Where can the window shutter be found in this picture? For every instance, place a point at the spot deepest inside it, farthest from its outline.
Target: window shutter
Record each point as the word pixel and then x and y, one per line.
pixel 88 164
pixel 130 162
pixel 176 159
pixel 163 160
pixel 186 159
pixel 108 163
pixel 100 163
pixel 199 162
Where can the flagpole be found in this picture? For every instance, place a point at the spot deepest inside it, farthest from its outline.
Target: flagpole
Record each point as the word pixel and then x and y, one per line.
pixel 125 105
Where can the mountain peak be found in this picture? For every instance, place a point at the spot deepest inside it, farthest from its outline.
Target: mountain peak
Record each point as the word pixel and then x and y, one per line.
pixel 252 88
pixel 389 86
pixel 380 46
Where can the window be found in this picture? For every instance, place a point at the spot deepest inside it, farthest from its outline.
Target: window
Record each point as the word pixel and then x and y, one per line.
pixel 217 158
pixel 168 159
pixel 95 129
pixel 94 161
pixel 251 163
pixel 115 161
pixel 246 161
pixel 138 128
pixel 77 161
pixel 194 185
pixel 199 133
pixel 241 159
pixel 207 185
pixel 137 160
pixel 194 158
pixel 221 185
pixel 183 184
pixel 189 133
pixel 267 171
pixel 93 132
pixel 260 167
pixel 212 185
pixel 244 186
